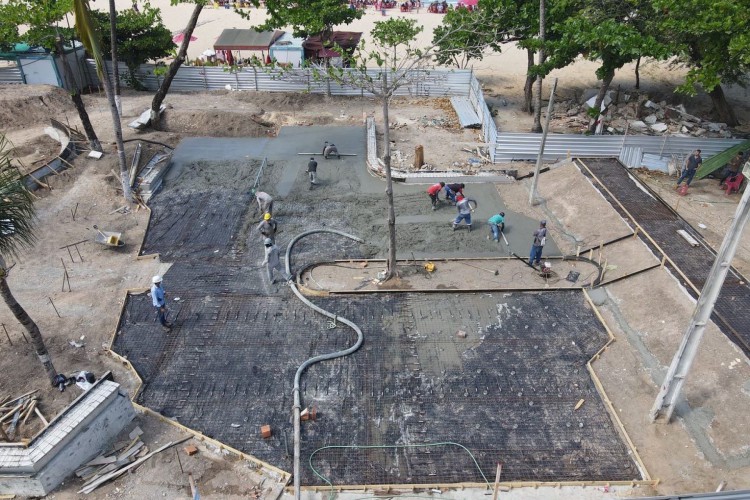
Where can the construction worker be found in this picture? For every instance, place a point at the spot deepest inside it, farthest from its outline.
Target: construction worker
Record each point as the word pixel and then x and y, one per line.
pixel 732 168
pixel 464 212
pixel 451 190
pixel 434 191
pixel 268 227
pixel 265 201
pixel 497 225
pixel 159 301
pixel 540 238
pixel 331 150
pixel 312 171
pixel 272 261
pixel 692 164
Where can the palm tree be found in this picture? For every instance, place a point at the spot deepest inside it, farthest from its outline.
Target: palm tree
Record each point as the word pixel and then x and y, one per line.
pixel 16 233
pixel 91 39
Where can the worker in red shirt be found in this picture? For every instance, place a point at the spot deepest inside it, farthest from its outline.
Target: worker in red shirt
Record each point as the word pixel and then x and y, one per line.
pixel 434 191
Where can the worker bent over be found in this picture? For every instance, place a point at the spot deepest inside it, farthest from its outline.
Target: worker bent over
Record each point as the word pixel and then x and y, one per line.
pixel 464 212
pixel 434 191
pixel 265 201
pixel 497 225
pixel 330 150
pixel 452 190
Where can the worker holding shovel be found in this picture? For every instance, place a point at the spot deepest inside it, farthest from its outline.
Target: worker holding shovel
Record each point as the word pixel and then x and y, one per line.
pixel 497 225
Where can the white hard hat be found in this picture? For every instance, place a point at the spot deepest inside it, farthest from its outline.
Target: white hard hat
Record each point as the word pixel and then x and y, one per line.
pixel 156 279
pixel 268 241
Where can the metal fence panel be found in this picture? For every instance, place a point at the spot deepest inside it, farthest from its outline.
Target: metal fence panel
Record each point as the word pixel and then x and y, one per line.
pixel 519 146
pixel 11 75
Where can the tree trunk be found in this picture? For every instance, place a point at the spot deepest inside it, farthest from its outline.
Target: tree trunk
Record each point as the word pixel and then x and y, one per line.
pixel 724 112
pixel 161 93
pixel 528 86
pixel 600 98
pixel 638 73
pixel 113 47
pixel 117 125
pixel 23 317
pixel 537 127
pixel 75 95
pixel 390 269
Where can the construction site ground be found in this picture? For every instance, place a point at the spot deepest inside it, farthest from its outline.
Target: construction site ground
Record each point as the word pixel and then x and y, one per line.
pixel 646 313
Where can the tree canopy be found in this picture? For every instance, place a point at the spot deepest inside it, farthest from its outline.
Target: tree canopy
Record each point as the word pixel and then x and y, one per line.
pixel 41 18
pixel 141 36
pixel 307 18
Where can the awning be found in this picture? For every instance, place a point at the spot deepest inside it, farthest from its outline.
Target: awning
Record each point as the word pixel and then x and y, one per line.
pixel 246 39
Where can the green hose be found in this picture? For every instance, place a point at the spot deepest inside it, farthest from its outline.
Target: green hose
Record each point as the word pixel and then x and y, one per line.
pixel 365 447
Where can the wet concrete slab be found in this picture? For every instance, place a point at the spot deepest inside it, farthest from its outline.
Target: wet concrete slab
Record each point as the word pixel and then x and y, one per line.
pixel 506 390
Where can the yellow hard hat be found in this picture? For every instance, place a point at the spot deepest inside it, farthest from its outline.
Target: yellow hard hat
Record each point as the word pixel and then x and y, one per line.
pixel 267 216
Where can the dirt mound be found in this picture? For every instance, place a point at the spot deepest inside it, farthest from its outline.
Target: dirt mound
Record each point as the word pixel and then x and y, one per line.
pixel 282 101
pixel 25 105
pixel 216 123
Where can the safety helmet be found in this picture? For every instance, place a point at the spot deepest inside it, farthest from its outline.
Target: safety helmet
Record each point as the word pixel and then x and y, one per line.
pixel 266 216
pixel 156 279
pixel 268 242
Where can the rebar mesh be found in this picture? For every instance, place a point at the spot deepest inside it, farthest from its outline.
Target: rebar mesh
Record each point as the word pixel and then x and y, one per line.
pixel 507 390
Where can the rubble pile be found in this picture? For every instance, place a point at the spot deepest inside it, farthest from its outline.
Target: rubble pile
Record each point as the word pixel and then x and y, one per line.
pixel 635 113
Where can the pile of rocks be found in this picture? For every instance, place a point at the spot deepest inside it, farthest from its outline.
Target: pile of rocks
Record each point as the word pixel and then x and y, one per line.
pixel 635 114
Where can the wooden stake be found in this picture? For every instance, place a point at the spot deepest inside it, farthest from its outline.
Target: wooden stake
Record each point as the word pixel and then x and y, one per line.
pixel 497 480
pixel 6 333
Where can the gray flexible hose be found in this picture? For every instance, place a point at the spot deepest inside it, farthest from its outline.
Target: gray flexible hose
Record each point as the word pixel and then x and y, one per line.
pixel 316 359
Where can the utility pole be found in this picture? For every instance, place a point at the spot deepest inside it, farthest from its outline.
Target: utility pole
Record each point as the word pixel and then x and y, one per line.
pixel 672 386
pixel 535 180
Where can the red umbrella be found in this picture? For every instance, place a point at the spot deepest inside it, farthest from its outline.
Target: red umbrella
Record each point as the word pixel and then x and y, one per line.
pixel 469 3
pixel 177 39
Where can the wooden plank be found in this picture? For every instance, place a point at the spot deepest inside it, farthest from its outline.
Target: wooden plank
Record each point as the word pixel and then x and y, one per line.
pixel 41 417
pixel 101 460
pixel 88 489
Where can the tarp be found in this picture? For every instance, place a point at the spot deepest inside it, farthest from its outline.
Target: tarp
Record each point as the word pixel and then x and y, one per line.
pixel 717 161
pixel 314 46
pixel 246 39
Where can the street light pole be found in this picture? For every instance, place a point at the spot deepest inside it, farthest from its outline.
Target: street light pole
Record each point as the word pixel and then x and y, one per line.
pixel 670 390
pixel 535 180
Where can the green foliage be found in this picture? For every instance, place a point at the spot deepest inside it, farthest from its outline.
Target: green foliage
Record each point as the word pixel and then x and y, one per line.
pixel 41 19
pixel 141 37
pixel 457 45
pixel 89 34
pixel 16 206
pixel 613 32
pixel 310 17
pixel 710 37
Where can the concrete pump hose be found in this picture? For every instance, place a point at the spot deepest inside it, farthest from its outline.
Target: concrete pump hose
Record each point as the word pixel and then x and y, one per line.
pixel 316 359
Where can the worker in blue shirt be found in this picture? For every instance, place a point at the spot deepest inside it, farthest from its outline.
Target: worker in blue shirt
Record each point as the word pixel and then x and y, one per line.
pixel 157 298
pixel 497 225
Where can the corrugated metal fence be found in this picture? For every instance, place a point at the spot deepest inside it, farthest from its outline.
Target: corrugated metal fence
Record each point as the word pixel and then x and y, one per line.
pixel 424 83
pixel 513 146
pixel 10 74
pixel 489 129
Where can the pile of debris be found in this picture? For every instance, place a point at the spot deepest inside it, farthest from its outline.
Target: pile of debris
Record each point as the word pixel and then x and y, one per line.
pixel 635 113
pixel 16 413
pixel 124 456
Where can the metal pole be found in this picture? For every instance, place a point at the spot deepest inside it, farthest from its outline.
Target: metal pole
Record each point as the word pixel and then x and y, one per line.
pixel 535 180
pixel 670 390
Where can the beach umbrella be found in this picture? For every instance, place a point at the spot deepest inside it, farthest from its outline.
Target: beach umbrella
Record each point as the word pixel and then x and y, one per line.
pixel 469 3
pixel 177 39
